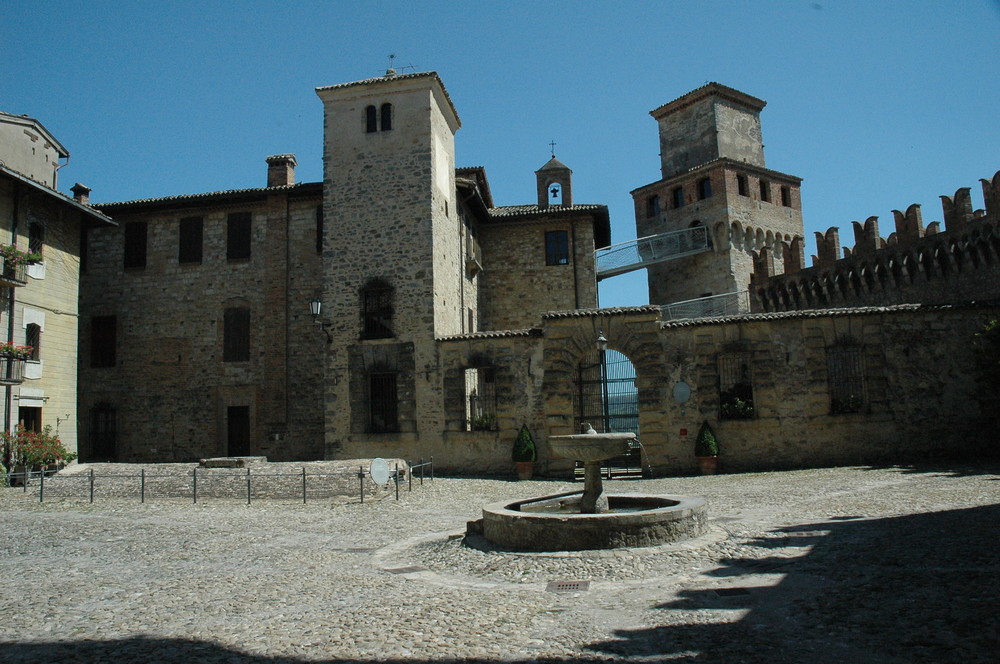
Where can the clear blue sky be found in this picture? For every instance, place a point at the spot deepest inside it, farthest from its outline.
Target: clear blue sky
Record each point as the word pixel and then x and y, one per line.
pixel 876 105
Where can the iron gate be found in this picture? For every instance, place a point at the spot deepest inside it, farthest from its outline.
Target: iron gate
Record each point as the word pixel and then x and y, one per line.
pixel 607 397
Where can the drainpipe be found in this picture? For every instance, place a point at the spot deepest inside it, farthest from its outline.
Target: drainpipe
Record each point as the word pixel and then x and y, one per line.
pixel 55 173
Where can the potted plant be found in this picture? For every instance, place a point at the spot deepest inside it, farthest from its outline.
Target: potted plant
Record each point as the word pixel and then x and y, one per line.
pixel 524 453
pixel 706 448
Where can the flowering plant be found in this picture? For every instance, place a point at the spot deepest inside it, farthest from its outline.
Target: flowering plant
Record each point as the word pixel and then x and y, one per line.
pixel 35 448
pixel 13 256
pixel 10 350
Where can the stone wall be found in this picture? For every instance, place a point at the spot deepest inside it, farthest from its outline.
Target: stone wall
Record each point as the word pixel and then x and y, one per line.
pixel 170 388
pixel 516 283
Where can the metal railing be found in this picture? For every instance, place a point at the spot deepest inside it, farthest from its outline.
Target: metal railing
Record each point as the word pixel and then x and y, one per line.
pixel 635 254
pixel 727 304
pixel 217 483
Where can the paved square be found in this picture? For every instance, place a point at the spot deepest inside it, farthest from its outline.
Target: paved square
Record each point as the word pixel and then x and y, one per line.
pixel 827 565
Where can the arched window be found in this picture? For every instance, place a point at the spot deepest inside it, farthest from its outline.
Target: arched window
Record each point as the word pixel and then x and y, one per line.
pixel 386 117
pixel 376 310
pixel 704 189
pixel 371 119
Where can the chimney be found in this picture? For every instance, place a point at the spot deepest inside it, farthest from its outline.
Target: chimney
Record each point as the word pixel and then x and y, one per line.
pixel 81 193
pixel 280 170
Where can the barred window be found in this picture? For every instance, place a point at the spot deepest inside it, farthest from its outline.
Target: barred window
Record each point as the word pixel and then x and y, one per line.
pixel 383 405
pixel 480 399
pixel 33 338
pixel 765 191
pixel 786 196
pixel 376 311
pixel 845 370
pixel 735 386
pixel 556 248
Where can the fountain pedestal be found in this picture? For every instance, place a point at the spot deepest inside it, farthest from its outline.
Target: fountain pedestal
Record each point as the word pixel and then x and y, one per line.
pixel 591 449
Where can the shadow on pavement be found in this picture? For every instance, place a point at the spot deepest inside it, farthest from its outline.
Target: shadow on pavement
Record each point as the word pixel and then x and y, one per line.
pixel 918 588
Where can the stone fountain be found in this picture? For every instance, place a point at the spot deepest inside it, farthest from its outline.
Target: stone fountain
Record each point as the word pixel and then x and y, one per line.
pixel 592 519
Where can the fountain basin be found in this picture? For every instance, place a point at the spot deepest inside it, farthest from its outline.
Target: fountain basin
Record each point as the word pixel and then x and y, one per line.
pixel 639 521
pixel 590 447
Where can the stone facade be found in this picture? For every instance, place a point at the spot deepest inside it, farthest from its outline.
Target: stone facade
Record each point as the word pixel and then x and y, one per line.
pixel 447 322
pixel 39 302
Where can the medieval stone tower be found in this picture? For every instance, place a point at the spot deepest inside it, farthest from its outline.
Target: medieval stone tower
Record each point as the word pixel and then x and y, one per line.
pixel 392 261
pixel 713 175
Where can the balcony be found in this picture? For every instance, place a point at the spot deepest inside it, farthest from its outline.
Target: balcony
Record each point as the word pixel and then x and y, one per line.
pixel 11 369
pixel 13 267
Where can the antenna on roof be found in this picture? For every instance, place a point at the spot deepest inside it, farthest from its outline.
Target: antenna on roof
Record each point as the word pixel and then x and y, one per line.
pixel 392 71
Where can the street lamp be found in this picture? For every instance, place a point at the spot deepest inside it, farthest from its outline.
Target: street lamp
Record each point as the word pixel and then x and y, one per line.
pixel 602 343
pixel 315 307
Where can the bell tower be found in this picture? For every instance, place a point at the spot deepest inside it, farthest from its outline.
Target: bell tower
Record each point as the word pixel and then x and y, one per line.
pixel 555 184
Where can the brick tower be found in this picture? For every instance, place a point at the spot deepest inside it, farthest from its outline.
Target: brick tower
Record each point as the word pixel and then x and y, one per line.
pixel 713 175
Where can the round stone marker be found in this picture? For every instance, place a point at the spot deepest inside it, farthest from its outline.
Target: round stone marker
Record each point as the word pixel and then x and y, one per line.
pixel 379 470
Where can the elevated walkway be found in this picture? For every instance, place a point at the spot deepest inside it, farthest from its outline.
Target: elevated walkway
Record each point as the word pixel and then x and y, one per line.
pixel 637 254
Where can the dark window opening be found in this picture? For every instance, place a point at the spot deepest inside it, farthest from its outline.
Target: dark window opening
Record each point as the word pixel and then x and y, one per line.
pixel 236 335
pixel 84 242
pixel 135 245
pixel 376 305
pixel 735 387
pixel 189 246
pixel 653 206
pixel 238 430
pixel 319 229
pixel 33 338
pixel 677 198
pixel 371 120
pixel 385 117
pixel 383 414
pixel 238 236
pixel 30 417
pixel 742 186
pixel 36 237
pixel 704 189
pixel 786 197
pixel 845 369
pixel 556 248
pixel 480 399
pixel 103 341
pixel 765 191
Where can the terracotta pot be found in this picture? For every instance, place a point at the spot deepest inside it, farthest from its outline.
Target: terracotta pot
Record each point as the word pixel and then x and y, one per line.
pixel 708 464
pixel 524 469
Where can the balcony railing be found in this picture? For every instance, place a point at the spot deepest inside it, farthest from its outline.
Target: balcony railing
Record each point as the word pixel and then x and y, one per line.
pixel 12 273
pixel 727 304
pixel 11 370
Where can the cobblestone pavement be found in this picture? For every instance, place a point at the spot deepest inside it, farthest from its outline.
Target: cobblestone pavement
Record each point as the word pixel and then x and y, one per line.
pixel 885 565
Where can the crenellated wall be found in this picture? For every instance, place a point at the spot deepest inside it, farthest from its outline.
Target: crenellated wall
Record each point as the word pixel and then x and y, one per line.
pixel 914 264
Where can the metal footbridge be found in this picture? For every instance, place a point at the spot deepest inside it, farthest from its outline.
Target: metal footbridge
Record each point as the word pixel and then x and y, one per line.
pixel 637 254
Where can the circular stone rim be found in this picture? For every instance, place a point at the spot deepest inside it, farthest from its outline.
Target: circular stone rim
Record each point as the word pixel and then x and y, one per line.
pixel 685 517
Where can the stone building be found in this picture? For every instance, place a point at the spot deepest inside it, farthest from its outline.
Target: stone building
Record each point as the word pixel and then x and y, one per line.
pixel 394 310
pixel 39 299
